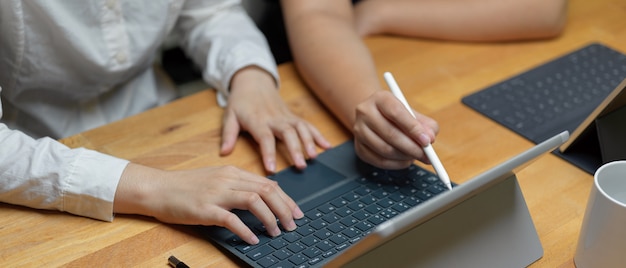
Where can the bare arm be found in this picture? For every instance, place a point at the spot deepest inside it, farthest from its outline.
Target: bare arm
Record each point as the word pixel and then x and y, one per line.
pixel 462 20
pixel 330 55
pixel 338 67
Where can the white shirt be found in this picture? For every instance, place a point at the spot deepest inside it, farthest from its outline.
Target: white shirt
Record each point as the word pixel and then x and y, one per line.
pixel 68 66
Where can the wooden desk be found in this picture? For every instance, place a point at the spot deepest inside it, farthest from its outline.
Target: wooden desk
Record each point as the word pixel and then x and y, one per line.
pixel 434 75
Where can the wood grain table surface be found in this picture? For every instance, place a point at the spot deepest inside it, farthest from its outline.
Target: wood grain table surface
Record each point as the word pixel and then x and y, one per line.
pixel 434 76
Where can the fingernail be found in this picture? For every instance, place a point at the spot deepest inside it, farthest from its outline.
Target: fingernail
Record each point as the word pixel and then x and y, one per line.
pixel 254 240
pixel 291 226
pixel 311 151
pixel 271 165
pixel 424 139
pixel 327 144
pixel 300 161
pixel 275 231
pixel 298 213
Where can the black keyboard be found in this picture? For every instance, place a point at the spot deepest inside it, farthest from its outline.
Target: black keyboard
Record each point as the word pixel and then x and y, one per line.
pixel 555 96
pixel 330 227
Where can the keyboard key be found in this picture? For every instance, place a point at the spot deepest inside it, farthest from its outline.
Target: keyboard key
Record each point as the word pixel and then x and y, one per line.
pixel 312 252
pixel 435 189
pixel 291 237
pixel 260 252
pixel 243 248
pixel 363 191
pixel 296 247
pixel 368 200
pixel 397 197
pixel 339 202
pixel 278 243
pixel 323 234
pixel 303 221
pixel 326 245
pixel 327 208
pixel 421 184
pixel 336 227
pixel 341 247
pixel 351 196
pixel 234 240
pixel 318 224
pixel 328 253
pixel 330 218
pixel 388 213
pixel 304 230
pixel 391 188
pixel 315 215
pixel 349 221
pixel 400 207
pixel 355 239
pixel 373 209
pixel 376 219
pixel 260 229
pixel 356 206
pixel 282 254
pixel 432 179
pixel 412 201
pixel 380 193
pixel 361 215
pixel 297 259
pixel 344 212
pixel 409 191
pixel 351 232
pixel 310 240
pixel 267 261
pixel 424 195
pixel 385 203
pixel 363 226
pixel 338 239
pixel 315 260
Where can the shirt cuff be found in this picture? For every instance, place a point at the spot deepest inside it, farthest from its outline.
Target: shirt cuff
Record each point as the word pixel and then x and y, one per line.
pixel 90 188
pixel 240 56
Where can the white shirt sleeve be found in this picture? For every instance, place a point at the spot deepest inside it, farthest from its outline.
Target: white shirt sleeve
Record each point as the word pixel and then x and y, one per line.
pixel 46 174
pixel 221 38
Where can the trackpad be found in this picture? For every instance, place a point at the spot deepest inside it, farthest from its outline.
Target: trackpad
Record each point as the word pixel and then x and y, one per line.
pixel 299 184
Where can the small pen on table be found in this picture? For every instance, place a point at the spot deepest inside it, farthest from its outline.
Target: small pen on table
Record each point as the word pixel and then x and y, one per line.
pixel 174 262
pixel 428 149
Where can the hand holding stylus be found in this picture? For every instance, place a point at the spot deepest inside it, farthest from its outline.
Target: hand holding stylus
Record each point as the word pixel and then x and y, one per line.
pixel 428 149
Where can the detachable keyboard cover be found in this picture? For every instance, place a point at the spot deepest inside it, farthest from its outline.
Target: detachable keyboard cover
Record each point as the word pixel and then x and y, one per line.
pixel 555 96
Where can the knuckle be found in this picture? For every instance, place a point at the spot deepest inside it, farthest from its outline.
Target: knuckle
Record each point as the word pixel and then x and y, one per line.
pixel 387 150
pixel 415 130
pixel 229 169
pixel 252 199
pixel 361 109
pixel 286 129
pixel 268 187
pixel 265 134
pixel 228 219
pixel 299 124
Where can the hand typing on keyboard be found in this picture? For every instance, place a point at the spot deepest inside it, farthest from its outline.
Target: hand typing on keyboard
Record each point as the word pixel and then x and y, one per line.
pixel 353 211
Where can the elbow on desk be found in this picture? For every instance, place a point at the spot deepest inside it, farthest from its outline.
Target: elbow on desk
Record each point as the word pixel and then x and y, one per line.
pixel 551 18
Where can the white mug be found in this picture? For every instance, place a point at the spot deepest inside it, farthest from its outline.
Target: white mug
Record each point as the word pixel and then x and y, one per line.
pixel 602 240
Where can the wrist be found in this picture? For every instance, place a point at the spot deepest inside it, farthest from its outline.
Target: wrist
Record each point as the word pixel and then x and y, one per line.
pixel 250 78
pixel 137 186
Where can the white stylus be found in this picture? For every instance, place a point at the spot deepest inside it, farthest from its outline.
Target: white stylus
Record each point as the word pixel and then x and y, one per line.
pixel 428 149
